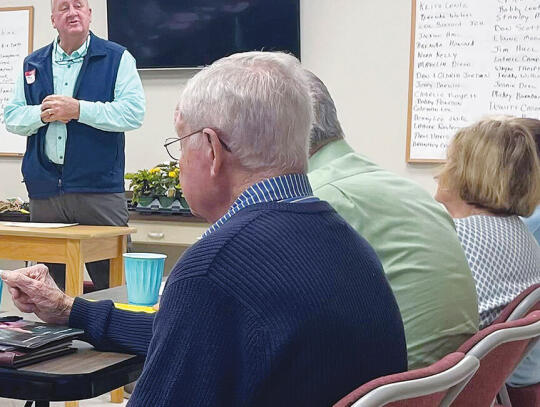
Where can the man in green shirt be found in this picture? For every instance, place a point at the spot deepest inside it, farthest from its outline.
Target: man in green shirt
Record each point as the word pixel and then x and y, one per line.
pixel 412 234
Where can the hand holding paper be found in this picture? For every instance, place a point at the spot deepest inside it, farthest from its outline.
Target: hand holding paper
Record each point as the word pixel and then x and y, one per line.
pixel 34 290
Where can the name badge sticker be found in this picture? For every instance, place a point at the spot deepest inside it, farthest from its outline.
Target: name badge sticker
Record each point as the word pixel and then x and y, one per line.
pixel 30 76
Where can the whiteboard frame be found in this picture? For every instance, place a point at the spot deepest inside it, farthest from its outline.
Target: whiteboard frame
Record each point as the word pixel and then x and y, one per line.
pixel 411 90
pixel 30 49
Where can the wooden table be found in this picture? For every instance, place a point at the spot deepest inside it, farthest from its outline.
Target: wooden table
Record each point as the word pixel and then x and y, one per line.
pixel 72 246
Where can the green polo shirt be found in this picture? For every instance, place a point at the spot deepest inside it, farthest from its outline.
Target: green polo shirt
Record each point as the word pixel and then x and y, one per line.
pixel 416 242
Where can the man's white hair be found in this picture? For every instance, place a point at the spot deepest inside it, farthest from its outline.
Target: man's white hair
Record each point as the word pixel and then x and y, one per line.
pixel 260 104
pixel 52 4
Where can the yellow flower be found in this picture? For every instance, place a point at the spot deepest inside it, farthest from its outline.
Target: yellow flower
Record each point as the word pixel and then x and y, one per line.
pixel 154 170
pixel 172 174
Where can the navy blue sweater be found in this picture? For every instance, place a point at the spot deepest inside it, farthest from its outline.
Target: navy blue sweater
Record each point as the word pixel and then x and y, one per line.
pixel 284 305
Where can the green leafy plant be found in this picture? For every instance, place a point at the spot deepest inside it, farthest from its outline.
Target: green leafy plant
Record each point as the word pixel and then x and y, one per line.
pixel 160 181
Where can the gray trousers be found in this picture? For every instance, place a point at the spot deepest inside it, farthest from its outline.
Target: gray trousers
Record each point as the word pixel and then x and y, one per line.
pixel 86 209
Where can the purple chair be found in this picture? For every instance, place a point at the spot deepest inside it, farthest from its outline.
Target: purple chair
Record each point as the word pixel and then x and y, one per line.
pixel 527 301
pixel 432 386
pixel 499 348
pixel 525 396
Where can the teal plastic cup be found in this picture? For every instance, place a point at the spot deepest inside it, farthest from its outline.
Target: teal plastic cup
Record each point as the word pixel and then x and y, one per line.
pixel 144 272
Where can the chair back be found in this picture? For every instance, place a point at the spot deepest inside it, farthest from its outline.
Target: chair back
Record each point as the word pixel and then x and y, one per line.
pixel 499 347
pixel 525 396
pixel 527 301
pixel 432 386
pixel 528 396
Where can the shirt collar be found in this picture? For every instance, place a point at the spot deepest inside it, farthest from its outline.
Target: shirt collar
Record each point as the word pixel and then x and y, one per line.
pixel 284 188
pixel 327 153
pixel 78 53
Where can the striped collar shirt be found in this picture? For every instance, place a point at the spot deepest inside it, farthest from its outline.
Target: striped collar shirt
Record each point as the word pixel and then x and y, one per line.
pixel 289 188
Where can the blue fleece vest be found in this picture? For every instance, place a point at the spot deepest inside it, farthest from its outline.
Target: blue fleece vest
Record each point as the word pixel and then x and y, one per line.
pixel 94 159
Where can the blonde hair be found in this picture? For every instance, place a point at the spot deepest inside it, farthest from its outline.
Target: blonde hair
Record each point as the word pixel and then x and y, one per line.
pixel 494 164
pixel 533 125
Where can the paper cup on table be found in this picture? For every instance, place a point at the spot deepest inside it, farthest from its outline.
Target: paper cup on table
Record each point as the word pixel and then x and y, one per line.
pixel 144 272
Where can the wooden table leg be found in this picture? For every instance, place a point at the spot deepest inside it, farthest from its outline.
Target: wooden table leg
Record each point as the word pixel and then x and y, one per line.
pixel 117 396
pixel 74 268
pixel 116 273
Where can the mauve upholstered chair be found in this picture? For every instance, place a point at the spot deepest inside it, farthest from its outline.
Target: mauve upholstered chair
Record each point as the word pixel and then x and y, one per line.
pixel 527 301
pixel 432 386
pixel 499 348
pixel 524 303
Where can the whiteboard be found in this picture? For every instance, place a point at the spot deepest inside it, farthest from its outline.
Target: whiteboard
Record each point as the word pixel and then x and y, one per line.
pixel 469 59
pixel 16 36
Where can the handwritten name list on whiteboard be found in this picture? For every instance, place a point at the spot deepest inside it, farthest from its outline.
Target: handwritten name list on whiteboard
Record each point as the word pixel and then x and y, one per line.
pixel 16 36
pixel 470 59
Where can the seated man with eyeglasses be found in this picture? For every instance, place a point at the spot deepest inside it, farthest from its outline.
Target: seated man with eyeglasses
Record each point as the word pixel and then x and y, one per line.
pixel 281 302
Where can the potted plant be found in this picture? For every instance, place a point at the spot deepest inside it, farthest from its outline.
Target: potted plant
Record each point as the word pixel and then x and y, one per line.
pixel 170 183
pixel 160 182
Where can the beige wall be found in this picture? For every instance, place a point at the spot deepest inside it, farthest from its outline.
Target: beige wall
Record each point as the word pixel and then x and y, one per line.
pixel 359 48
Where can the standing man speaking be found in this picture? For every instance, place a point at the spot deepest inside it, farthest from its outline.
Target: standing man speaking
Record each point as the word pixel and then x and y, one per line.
pixel 74 100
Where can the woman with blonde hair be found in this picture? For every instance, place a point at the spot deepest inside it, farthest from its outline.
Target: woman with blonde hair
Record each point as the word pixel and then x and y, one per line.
pixel 490 179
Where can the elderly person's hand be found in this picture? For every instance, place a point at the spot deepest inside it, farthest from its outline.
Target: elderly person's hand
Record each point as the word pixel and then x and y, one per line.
pixel 59 108
pixel 34 290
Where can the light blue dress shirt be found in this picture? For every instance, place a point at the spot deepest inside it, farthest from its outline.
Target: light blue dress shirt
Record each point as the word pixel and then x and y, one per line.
pixel 124 113
pixel 533 223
